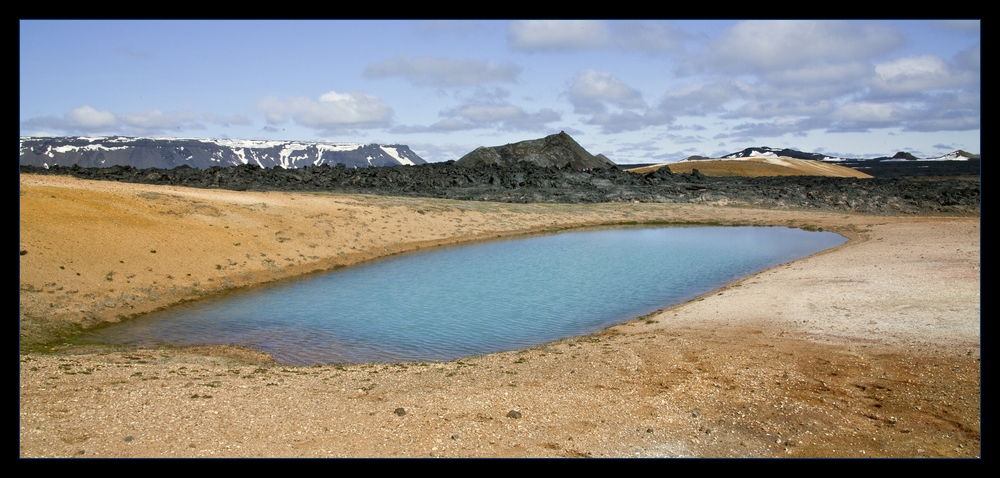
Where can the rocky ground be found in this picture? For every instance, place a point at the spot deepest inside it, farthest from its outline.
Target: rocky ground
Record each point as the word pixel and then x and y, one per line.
pixel 869 349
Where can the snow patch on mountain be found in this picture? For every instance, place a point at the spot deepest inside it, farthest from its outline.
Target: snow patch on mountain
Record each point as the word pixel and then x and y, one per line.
pixel 766 152
pixel 953 156
pixel 168 153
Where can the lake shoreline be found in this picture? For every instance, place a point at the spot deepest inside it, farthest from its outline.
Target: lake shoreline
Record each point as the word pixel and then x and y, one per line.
pixel 667 384
pixel 410 307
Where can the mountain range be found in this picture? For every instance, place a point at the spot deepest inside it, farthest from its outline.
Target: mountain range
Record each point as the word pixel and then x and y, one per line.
pixel 764 151
pixel 96 152
pixel 169 153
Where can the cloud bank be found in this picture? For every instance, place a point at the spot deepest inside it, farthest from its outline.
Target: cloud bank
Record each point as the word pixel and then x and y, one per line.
pixel 430 71
pixel 333 112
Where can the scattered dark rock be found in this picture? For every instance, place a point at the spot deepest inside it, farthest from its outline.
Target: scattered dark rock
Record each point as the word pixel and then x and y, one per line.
pixel 128 438
pixel 399 411
pixel 513 414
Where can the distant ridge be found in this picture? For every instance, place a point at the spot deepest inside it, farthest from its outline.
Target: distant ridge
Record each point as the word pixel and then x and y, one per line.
pixel 98 152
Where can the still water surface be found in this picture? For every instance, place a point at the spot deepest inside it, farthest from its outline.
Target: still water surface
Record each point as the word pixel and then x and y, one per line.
pixel 459 301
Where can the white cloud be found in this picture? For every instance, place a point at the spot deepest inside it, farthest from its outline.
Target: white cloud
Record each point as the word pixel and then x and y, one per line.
pixel 558 35
pixel 227 120
pixel 918 74
pixel 591 92
pixel 960 111
pixel 859 116
pixel 504 115
pixel 444 126
pixel 758 46
pixel 699 99
pixel 555 35
pixel 90 119
pixel 650 37
pixel 156 120
pixel 611 123
pixel 486 114
pixel 868 112
pixel 86 119
pixel 777 127
pixel 847 75
pixel 970 59
pixel 951 122
pixel 797 76
pixel 333 111
pixel 590 89
pixel 779 108
pixel 430 71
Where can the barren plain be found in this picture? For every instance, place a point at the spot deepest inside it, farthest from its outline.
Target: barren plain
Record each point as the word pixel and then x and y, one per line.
pixel 871 349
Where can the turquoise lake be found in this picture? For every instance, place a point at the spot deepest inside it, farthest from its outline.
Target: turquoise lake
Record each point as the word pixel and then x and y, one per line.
pixel 455 302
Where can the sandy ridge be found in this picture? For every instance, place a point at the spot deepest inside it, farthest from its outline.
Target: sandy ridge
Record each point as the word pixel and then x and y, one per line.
pixel 871 349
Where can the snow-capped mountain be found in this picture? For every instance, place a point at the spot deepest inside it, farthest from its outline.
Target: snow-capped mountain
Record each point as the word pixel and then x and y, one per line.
pixel 765 152
pixel 955 156
pixel 96 152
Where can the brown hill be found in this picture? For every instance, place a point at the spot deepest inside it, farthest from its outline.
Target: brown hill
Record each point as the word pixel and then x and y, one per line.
pixel 755 167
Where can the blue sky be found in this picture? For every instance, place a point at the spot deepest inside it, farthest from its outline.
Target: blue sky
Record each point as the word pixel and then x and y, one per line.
pixel 637 91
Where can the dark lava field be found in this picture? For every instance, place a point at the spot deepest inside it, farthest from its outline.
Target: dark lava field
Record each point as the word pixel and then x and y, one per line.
pixel 897 188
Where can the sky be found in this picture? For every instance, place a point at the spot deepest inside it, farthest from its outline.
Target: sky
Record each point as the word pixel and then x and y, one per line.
pixel 636 91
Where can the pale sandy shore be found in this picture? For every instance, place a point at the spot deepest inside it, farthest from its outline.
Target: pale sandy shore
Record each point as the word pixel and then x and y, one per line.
pixel 869 349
